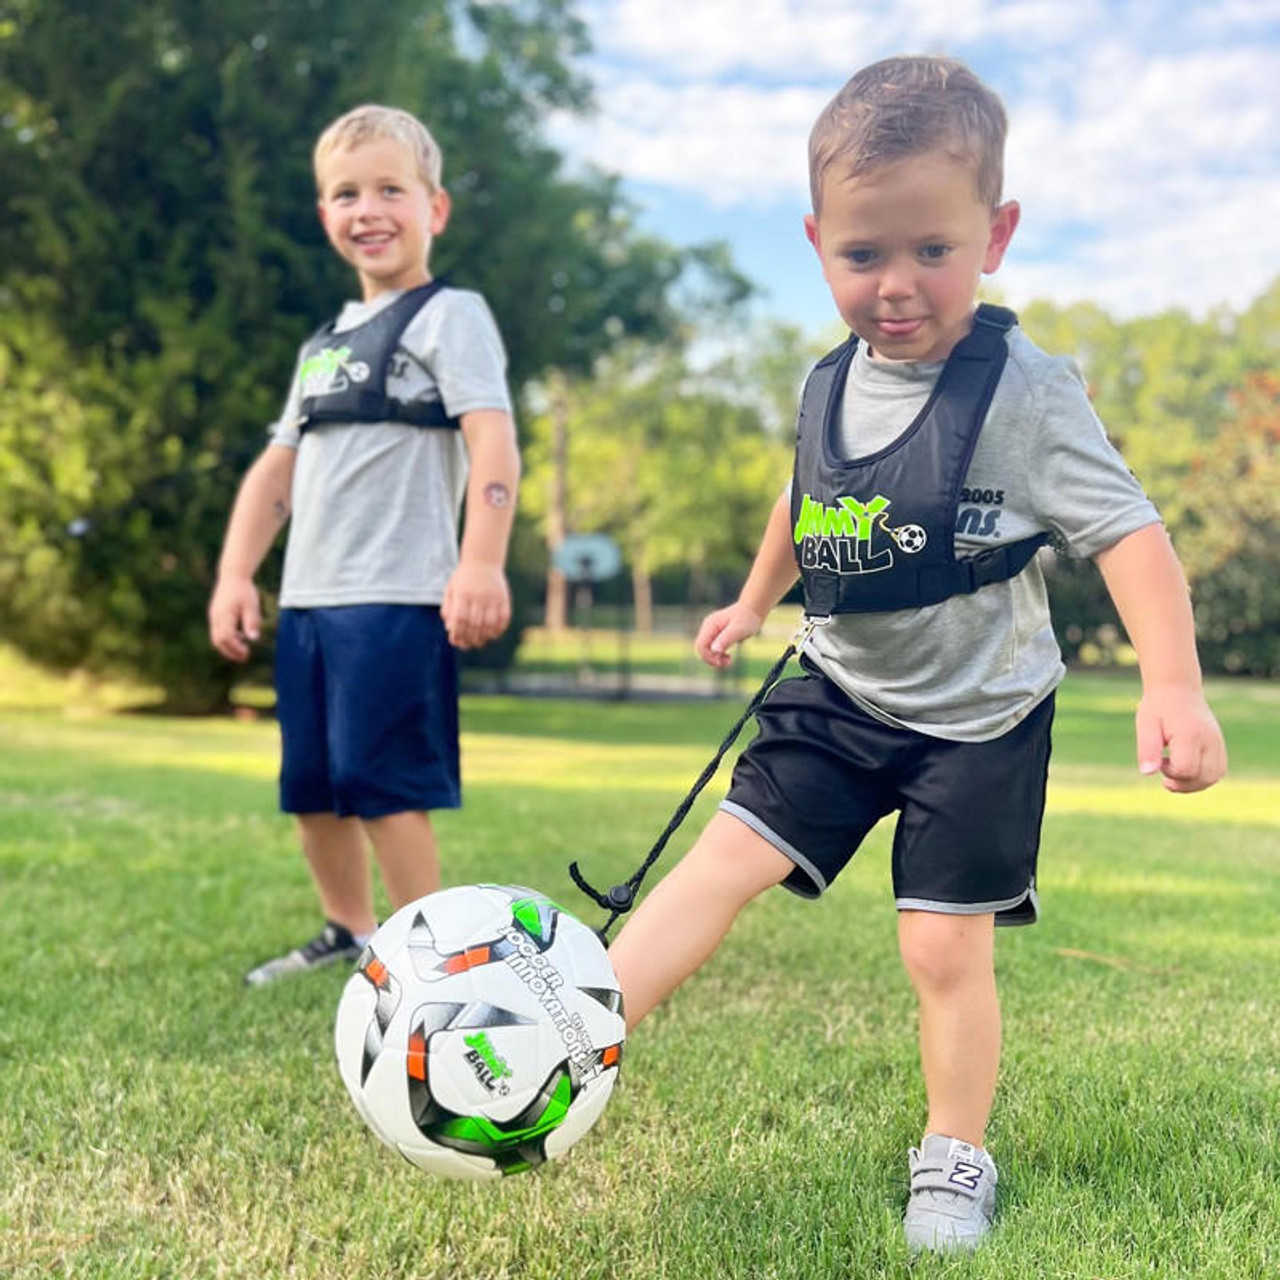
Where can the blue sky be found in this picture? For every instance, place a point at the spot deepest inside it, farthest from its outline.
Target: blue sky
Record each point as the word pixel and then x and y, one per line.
pixel 1144 139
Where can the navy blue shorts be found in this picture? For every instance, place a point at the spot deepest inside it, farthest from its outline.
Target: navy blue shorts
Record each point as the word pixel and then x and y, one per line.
pixel 367 697
pixel 821 773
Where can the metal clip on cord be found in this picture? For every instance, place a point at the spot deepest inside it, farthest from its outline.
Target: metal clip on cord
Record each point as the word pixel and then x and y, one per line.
pixel 620 899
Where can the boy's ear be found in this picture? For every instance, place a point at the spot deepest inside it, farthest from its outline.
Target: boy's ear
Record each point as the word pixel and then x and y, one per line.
pixel 1004 222
pixel 811 232
pixel 440 207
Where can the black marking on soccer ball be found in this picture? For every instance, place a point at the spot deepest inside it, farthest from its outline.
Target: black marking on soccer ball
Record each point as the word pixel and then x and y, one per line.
pixel 481 1014
pixel 607 996
pixel 608 1058
pixel 384 982
pixel 420 934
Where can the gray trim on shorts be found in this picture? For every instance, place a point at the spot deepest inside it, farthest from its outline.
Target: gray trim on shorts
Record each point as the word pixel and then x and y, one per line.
pixel 819 883
pixel 783 846
pixel 978 908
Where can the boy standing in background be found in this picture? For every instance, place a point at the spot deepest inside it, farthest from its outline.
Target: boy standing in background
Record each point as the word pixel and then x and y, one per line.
pixel 397 409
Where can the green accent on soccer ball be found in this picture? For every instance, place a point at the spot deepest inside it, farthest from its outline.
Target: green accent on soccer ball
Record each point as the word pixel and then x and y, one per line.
pixel 528 914
pixel 488 1135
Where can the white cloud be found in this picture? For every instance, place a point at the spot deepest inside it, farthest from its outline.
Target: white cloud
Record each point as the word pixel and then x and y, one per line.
pixel 707 38
pixel 737 144
pixel 819 40
pixel 1156 194
pixel 1219 252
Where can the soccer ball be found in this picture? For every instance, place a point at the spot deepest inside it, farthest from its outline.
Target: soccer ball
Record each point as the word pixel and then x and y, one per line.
pixel 482 1031
pixel 910 537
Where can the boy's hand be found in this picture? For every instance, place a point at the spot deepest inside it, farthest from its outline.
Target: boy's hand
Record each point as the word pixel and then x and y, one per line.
pixel 476 606
pixel 235 617
pixel 1179 737
pixel 721 630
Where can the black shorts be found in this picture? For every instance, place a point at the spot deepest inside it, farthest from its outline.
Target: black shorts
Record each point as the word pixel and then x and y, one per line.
pixel 822 772
pixel 367 697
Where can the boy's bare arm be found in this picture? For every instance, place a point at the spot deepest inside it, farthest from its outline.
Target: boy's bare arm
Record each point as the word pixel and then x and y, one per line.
pixel 772 575
pixel 1177 733
pixel 259 512
pixel 477 600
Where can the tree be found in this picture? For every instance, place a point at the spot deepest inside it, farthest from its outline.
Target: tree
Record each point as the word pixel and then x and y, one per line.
pixel 162 245
pixel 1230 537
pixel 1166 387
pixel 678 464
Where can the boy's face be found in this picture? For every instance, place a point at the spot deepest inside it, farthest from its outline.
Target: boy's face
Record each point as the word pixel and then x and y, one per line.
pixel 379 214
pixel 903 249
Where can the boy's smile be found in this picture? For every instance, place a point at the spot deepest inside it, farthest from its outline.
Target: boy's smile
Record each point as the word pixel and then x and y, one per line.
pixel 379 214
pixel 903 248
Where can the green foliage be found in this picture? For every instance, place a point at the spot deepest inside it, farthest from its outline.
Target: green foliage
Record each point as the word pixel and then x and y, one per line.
pixel 1232 531
pixel 163 260
pixel 1171 392
pixel 1159 383
pixel 679 464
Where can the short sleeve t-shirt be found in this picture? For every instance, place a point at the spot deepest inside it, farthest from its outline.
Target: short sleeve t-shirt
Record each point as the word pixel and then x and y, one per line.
pixel 375 506
pixel 973 666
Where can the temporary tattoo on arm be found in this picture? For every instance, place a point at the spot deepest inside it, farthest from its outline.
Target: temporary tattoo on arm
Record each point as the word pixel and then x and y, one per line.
pixel 497 494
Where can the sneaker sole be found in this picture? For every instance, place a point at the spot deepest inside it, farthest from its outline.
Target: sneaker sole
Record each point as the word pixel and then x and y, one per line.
pixel 286 967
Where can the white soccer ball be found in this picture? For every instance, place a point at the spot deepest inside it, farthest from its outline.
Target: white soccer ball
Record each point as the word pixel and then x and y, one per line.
pixel 911 538
pixel 482 1031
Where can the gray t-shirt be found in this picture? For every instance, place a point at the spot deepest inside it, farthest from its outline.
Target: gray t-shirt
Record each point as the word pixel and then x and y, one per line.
pixel 972 667
pixel 375 505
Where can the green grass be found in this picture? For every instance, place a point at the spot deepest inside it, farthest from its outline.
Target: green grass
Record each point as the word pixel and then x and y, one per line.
pixel 158 1120
pixel 579 653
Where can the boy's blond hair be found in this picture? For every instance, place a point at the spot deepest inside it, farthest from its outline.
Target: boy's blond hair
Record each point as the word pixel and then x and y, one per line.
pixel 908 106
pixel 370 122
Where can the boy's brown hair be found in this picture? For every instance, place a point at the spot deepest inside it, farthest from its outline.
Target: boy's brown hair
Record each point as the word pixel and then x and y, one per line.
pixel 370 122
pixel 908 106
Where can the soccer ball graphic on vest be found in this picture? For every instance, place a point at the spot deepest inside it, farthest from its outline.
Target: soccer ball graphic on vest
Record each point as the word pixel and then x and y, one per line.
pixel 910 537
pixel 481 1034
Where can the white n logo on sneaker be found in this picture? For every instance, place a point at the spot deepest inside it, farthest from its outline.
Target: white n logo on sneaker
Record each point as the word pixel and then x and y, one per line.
pixel 966 1175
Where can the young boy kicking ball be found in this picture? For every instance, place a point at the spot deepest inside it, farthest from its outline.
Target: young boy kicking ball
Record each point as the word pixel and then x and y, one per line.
pixel 936 450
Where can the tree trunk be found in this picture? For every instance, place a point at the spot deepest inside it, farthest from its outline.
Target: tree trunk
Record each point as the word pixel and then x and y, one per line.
pixel 642 595
pixel 557 605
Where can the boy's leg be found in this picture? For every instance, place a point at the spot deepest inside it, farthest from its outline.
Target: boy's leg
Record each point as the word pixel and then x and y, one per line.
pixel 405 846
pixel 951 963
pixel 677 927
pixel 953 1179
pixel 394 691
pixel 339 864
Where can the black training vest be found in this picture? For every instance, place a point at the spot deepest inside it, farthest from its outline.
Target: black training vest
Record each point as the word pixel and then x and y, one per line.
pixel 351 368
pixel 878 533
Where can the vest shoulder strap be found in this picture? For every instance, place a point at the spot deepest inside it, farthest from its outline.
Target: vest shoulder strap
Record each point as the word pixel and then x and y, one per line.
pixel 817 386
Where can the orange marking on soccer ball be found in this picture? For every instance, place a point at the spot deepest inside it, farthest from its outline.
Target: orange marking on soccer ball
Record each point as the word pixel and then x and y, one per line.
pixel 610 1056
pixel 376 971
pixel 467 960
pixel 416 1057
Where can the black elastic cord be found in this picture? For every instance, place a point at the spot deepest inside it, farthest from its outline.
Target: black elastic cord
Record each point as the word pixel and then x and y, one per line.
pixel 621 897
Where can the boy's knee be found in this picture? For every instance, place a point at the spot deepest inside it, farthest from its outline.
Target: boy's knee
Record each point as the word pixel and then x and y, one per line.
pixel 941 952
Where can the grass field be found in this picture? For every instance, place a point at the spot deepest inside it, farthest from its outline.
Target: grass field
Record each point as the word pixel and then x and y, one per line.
pixel 159 1120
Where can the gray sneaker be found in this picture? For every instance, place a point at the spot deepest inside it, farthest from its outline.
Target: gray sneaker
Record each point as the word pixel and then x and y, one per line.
pixel 332 944
pixel 953 1195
